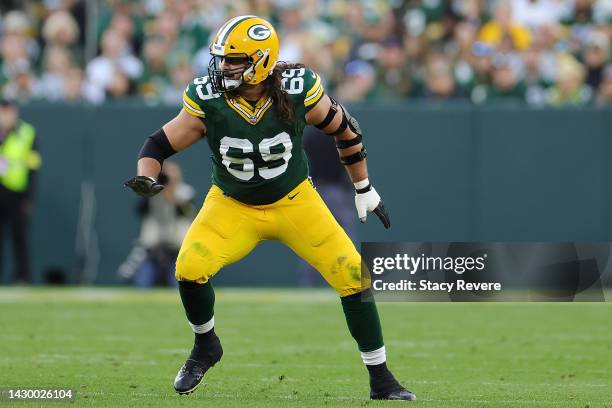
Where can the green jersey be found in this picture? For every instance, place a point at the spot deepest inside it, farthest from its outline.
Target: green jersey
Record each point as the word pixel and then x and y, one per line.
pixel 257 158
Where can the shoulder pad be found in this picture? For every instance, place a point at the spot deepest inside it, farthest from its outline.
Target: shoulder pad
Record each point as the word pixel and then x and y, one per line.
pixel 304 84
pixel 197 93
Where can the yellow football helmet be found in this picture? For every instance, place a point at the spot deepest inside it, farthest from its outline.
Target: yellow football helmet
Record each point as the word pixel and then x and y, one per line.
pixel 249 39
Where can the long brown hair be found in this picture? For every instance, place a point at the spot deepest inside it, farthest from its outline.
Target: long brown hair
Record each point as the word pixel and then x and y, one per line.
pixel 282 102
pixel 273 88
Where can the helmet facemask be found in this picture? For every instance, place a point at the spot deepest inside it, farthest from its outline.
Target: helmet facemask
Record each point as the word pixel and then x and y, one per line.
pixel 225 80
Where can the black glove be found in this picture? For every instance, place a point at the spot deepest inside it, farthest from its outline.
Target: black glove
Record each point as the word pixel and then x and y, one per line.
pixel 369 201
pixel 383 214
pixel 144 186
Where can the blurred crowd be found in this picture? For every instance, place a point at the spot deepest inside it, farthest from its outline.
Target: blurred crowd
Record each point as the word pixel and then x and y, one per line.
pixel 533 52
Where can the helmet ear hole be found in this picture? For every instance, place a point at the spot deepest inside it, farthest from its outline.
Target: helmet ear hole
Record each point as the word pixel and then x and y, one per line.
pixel 232 47
pixel 265 63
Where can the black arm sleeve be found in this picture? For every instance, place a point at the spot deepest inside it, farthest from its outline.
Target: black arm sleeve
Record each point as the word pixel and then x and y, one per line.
pixel 157 146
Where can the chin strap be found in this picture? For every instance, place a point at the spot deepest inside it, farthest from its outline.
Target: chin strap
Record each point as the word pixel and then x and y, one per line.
pixel 231 84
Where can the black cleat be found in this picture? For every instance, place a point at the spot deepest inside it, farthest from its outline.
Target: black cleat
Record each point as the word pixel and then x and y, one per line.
pixel 384 386
pixel 189 377
pixel 399 394
pixel 192 372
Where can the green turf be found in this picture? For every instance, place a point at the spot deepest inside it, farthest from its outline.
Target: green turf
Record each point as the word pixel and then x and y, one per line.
pixel 291 348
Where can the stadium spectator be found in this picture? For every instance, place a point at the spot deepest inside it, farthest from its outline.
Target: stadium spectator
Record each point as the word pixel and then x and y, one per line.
pixel 504 31
pixel 460 46
pixel 61 30
pixel 192 35
pixel 19 160
pixel 73 85
pixel 18 23
pixel 394 38
pixel 325 53
pixel 534 78
pixel 359 82
pixel 506 86
pixel 128 18
pixel 56 67
pixel 604 94
pixel 119 86
pixel 293 30
pixel 569 89
pixel 548 44
pixel 534 13
pixel 12 53
pixel 595 56
pixel 577 12
pixel 181 73
pixel 394 79
pixel 124 24
pixel 439 81
pixel 482 63
pixel 367 25
pixel 581 13
pixel 470 12
pixel 111 73
pixel 22 83
pixel 155 74
pixel 262 8
pixel 166 26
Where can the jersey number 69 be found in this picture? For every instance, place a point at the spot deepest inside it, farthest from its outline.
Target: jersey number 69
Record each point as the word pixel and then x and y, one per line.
pixel 275 151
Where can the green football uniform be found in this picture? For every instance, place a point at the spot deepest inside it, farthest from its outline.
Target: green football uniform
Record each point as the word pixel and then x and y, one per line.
pixel 257 158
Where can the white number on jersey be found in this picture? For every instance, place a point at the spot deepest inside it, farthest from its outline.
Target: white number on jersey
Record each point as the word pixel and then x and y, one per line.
pixel 292 80
pixel 243 168
pixel 204 89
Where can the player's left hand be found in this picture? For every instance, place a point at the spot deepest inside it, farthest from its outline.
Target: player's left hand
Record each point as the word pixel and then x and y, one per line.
pixel 369 201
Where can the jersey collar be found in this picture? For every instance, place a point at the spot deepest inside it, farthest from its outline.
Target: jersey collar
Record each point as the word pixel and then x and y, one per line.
pixel 249 113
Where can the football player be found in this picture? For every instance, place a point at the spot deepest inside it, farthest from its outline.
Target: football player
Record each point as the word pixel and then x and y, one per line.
pixel 252 110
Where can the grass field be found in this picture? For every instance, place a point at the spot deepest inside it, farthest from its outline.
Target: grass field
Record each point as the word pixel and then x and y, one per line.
pixel 291 348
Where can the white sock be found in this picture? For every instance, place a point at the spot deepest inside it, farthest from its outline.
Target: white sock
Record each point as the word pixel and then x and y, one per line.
pixel 203 328
pixel 375 357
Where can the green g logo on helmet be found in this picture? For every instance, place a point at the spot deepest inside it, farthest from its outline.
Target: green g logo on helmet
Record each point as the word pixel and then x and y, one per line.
pixel 259 32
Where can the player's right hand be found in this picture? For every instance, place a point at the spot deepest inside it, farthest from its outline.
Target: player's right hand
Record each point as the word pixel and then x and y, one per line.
pixel 144 186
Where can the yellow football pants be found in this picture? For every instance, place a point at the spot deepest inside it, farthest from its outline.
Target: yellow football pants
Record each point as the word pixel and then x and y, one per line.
pixel 226 230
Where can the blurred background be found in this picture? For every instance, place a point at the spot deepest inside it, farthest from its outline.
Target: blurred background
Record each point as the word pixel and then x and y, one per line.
pixel 484 120
pixel 533 52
